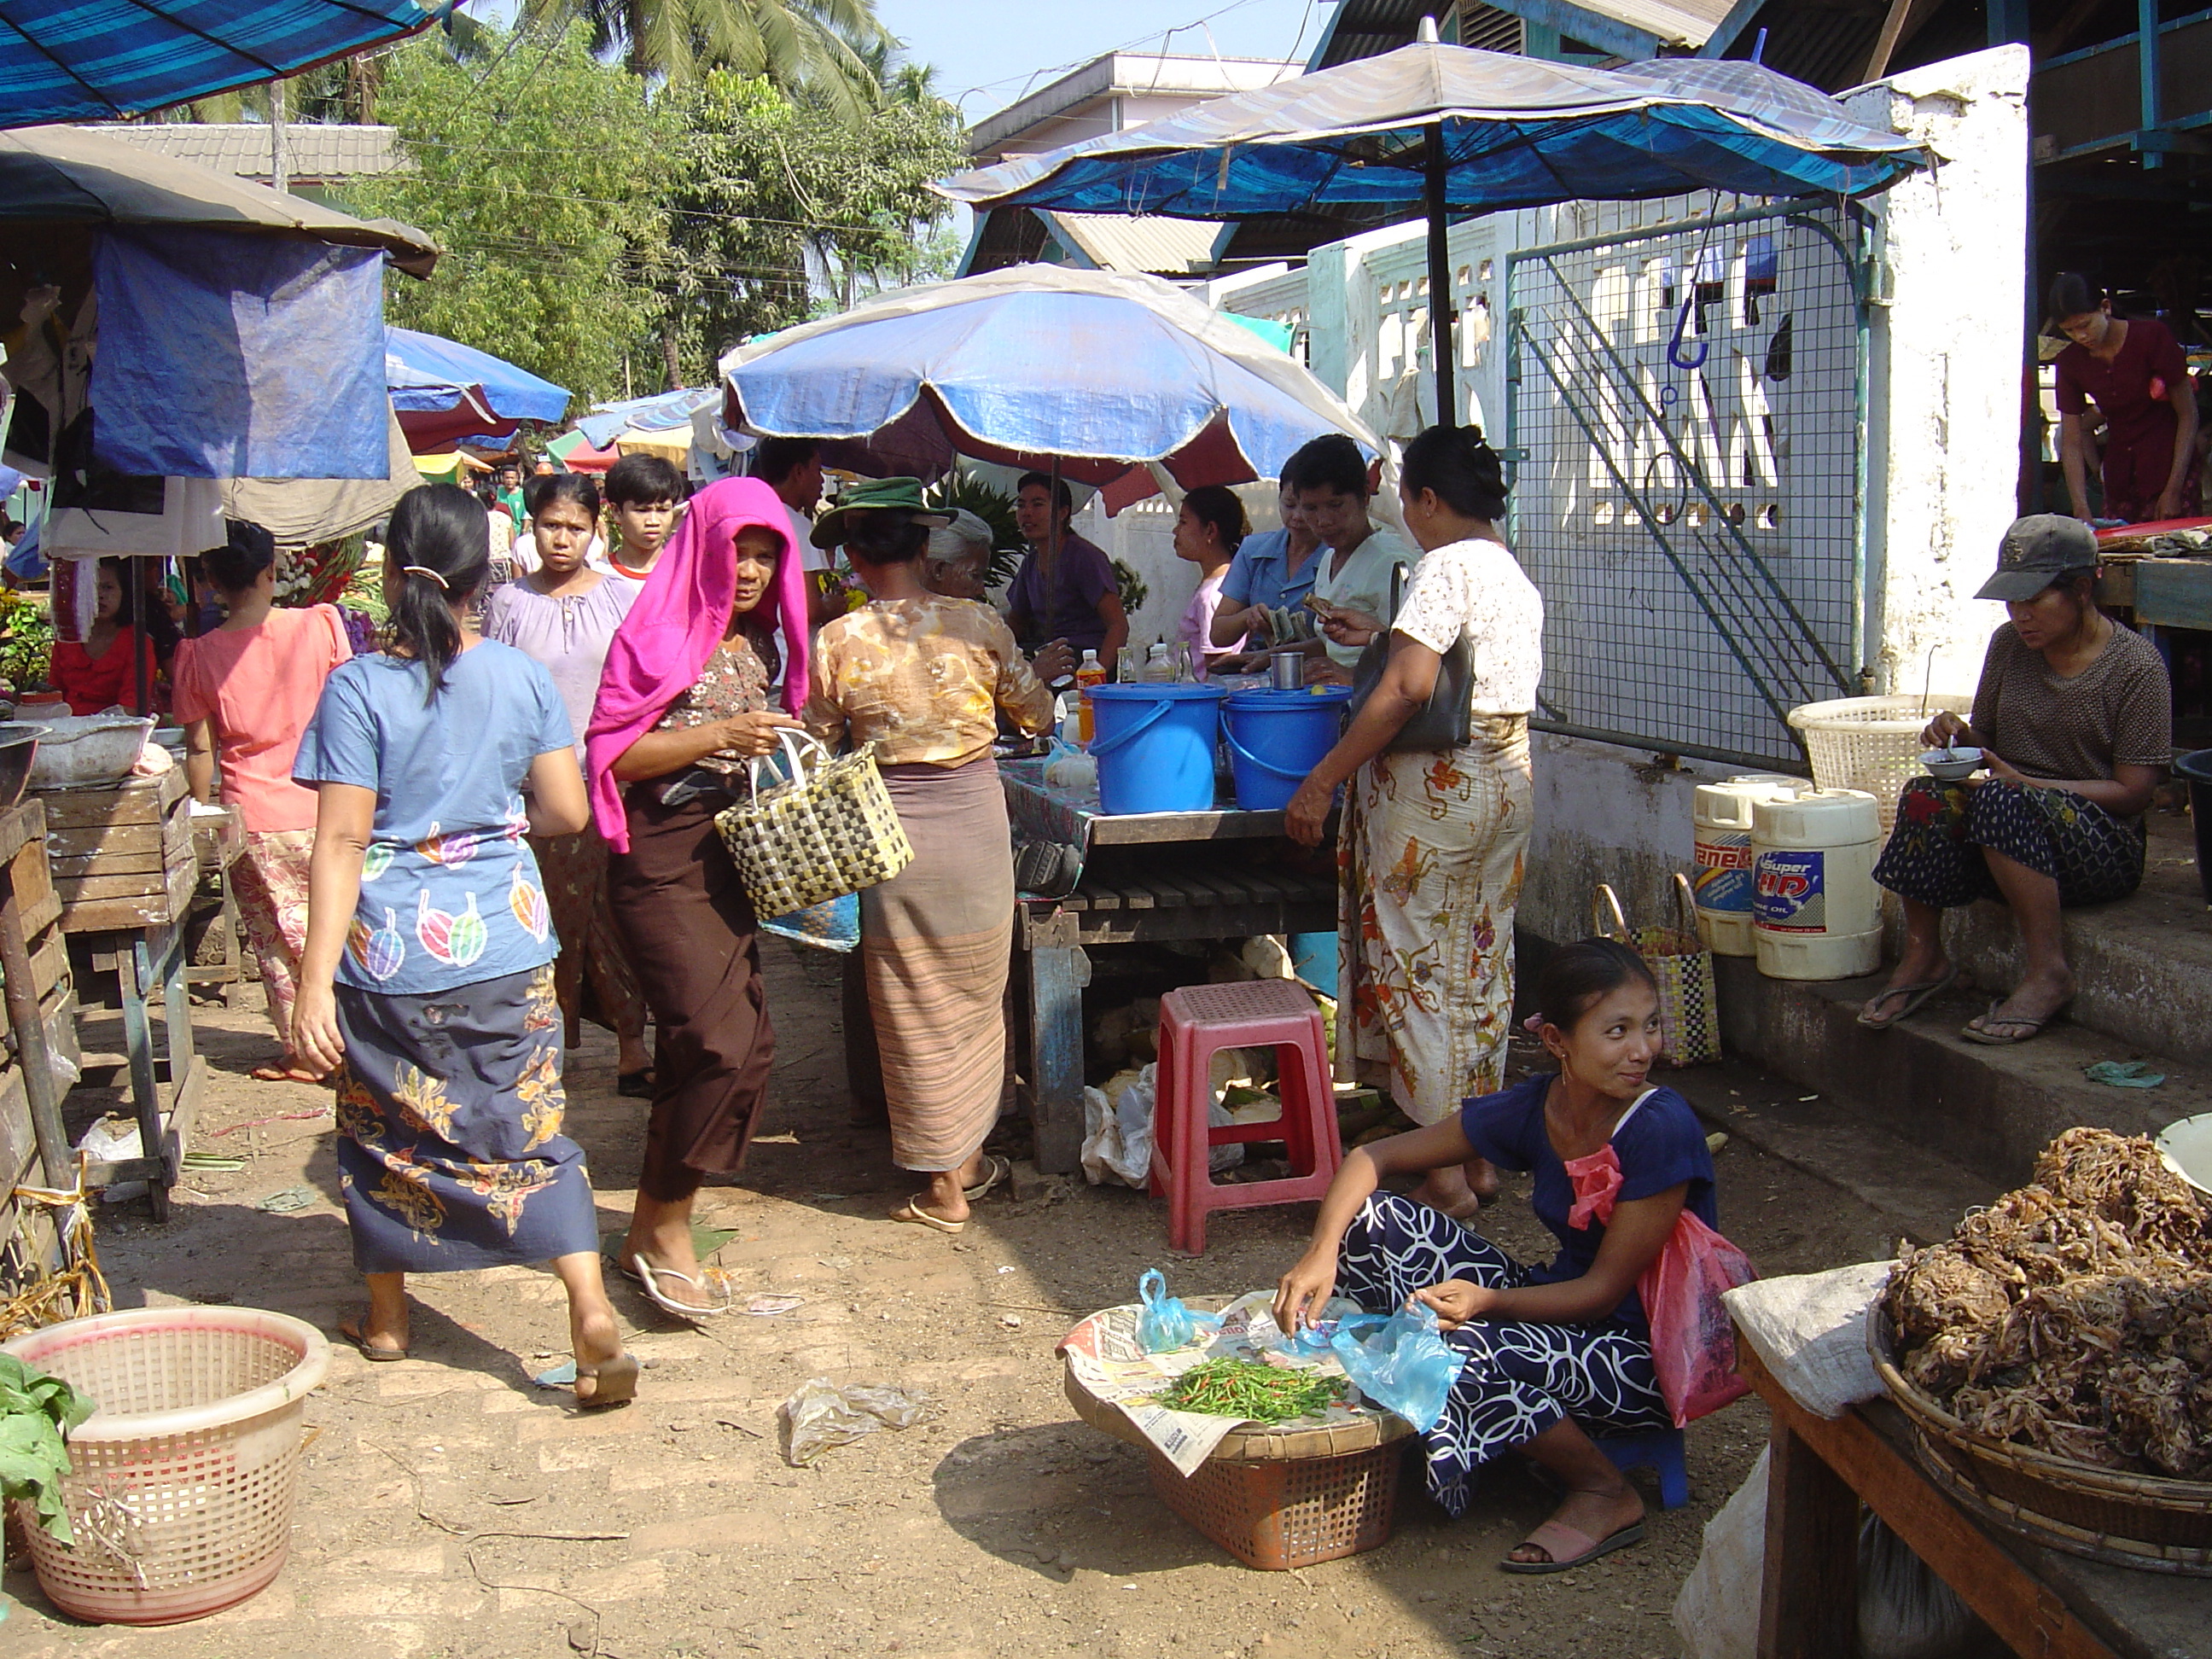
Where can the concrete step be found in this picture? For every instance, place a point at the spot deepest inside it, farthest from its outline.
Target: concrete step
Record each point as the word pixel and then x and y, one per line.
pixel 2144 964
pixel 1988 1111
pixel 1918 1194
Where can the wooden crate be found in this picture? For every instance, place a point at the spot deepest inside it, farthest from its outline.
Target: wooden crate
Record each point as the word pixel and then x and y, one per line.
pixel 122 858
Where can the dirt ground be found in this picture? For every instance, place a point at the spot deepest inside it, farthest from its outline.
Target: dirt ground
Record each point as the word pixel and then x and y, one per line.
pixel 437 1490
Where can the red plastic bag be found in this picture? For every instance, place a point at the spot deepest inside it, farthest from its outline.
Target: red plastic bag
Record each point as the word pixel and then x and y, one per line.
pixel 1692 1339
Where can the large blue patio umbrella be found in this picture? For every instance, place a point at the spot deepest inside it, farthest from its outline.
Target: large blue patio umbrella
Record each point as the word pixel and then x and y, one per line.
pixel 91 60
pixel 1454 131
pixel 1087 372
pixel 445 390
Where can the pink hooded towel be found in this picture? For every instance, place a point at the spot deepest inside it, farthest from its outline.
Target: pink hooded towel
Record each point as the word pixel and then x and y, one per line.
pixel 679 618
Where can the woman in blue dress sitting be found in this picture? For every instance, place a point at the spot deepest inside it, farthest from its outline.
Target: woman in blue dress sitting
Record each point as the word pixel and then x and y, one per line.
pixel 1550 1350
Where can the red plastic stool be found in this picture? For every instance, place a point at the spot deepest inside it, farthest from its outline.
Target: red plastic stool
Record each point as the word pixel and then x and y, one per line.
pixel 1196 1022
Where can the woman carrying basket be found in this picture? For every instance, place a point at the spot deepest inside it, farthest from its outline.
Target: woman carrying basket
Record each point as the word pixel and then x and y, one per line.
pixel 925 679
pixel 684 707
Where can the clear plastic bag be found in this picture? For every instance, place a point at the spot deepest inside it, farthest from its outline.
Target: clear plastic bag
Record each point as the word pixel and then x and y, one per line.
pixel 1692 1341
pixel 822 1415
pixel 1165 1324
pixel 1905 1612
pixel 1400 1361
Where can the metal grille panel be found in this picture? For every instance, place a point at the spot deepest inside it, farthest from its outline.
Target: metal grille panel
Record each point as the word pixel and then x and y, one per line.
pixel 1687 403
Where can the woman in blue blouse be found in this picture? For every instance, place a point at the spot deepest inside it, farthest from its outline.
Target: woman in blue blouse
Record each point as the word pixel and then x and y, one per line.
pixel 426 981
pixel 1549 1349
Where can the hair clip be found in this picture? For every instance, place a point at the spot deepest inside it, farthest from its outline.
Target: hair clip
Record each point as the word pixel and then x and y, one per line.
pixel 425 570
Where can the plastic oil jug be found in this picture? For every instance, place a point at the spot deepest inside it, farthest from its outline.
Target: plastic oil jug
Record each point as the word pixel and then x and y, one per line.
pixel 1816 913
pixel 1723 883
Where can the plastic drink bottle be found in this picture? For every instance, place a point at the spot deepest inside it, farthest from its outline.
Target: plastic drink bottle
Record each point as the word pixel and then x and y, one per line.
pixel 1089 673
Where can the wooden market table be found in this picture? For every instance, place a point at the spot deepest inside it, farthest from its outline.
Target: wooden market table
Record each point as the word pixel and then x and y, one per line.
pixel 1220 874
pixel 2041 1603
pixel 124 866
pixel 2164 592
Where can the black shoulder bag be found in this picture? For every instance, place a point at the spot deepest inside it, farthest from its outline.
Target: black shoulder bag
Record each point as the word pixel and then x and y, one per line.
pixel 1446 721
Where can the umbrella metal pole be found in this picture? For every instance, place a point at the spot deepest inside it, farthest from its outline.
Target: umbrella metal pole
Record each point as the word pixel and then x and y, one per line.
pixel 1440 290
pixel 134 591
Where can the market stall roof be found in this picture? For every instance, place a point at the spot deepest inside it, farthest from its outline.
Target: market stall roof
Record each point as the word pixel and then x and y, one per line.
pixel 88 60
pixel 575 452
pixel 445 390
pixel 1036 364
pixel 1517 132
pixel 78 177
pixel 662 412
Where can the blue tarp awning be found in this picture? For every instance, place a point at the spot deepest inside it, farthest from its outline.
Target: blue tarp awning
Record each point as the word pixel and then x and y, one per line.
pixel 663 412
pixel 91 60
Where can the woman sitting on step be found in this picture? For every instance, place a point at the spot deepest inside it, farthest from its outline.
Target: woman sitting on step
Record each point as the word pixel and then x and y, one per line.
pixel 2075 719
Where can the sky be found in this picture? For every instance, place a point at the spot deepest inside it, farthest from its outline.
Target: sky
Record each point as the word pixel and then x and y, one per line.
pixel 987 53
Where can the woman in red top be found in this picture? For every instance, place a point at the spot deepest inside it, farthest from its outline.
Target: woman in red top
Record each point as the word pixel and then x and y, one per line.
pixel 98 674
pixel 2133 369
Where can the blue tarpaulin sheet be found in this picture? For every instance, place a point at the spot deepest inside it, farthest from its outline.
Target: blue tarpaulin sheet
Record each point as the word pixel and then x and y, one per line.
pixel 89 60
pixel 226 355
pixel 662 413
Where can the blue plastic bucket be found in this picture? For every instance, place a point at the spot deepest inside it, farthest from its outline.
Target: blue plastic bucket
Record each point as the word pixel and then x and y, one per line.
pixel 1276 738
pixel 1154 745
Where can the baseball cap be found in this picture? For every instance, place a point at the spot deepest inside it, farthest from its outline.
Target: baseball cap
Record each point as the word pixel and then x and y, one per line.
pixel 2035 553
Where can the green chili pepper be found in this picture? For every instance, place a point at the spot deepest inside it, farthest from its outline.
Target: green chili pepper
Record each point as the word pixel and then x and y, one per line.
pixel 1241 1388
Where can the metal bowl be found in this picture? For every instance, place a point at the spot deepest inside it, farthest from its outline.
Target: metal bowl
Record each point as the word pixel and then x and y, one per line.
pixel 19 744
pixel 1951 765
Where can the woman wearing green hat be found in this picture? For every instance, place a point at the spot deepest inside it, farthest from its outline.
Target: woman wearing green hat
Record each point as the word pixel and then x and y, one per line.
pixel 924 678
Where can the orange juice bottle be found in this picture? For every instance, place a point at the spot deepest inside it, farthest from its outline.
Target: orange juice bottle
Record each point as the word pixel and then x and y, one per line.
pixel 1089 673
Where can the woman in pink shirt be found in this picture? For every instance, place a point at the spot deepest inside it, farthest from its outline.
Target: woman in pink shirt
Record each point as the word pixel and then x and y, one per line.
pixel 1209 529
pixel 245 693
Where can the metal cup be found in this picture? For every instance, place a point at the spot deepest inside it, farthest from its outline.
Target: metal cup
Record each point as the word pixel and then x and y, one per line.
pixel 1287 669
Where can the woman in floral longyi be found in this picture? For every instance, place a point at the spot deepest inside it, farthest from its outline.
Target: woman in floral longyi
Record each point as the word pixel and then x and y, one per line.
pixel 426 981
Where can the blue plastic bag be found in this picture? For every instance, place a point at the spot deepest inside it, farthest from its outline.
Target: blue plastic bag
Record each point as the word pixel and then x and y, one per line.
pixel 832 924
pixel 1400 1361
pixel 1165 1324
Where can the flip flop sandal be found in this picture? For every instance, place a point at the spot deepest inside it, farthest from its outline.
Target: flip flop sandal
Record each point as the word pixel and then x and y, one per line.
pixel 616 1383
pixel 1569 1548
pixel 370 1351
pixel 648 1279
pixel 1916 997
pixel 634 1085
pixel 911 1210
pixel 995 1169
pixel 1982 1033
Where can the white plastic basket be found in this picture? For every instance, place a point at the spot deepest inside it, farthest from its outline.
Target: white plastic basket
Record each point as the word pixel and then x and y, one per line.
pixel 181 1485
pixel 1871 743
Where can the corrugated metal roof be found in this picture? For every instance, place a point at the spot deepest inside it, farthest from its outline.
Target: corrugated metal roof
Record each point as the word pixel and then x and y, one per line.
pixel 1368 28
pixel 318 152
pixel 1148 245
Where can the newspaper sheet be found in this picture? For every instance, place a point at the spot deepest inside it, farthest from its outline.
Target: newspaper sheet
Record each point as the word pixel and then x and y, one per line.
pixel 1108 1359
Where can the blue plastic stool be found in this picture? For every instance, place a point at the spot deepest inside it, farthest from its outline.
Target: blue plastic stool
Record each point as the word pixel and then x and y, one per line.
pixel 1659 1450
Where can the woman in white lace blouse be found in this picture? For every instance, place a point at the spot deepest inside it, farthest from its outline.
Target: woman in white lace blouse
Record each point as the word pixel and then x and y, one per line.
pixel 1429 853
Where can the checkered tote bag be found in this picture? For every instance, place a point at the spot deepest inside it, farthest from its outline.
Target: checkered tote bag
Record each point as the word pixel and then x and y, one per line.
pixel 1689 1005
pixel 826 829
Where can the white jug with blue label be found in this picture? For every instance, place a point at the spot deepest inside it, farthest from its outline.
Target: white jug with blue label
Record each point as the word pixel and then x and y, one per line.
pixel 1816 913
pixel 1723 883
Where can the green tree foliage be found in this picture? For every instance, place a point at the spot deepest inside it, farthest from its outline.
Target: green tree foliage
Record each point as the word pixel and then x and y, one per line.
pixel 824 47
pixel 767 186
pixel 542 174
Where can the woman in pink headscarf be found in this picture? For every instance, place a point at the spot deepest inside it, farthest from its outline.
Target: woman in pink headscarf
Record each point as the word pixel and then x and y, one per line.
pixel 683 704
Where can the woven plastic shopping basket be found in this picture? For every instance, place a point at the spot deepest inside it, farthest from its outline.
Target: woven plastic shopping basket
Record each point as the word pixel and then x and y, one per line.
pixel 828 829
pixel 1689 1003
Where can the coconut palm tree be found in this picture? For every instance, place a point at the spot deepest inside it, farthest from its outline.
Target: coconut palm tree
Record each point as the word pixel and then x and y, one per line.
pixel 823 44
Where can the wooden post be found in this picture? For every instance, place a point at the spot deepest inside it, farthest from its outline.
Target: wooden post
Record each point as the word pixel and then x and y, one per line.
pixel 1810 1605
pixel 30 1029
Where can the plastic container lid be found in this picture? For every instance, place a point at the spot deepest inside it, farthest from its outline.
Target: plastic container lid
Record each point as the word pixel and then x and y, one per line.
pixel 1268 696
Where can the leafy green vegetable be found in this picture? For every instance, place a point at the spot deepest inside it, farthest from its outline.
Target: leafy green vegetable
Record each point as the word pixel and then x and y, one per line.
pixel 1243 1389
pixel 36 1411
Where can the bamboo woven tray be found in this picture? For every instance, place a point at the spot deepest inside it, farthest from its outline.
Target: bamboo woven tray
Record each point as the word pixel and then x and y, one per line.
pixel 2144 1521
pixel 1256 1444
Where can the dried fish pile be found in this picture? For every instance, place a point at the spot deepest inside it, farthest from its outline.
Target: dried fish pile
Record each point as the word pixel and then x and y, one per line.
pixel 2075 1315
